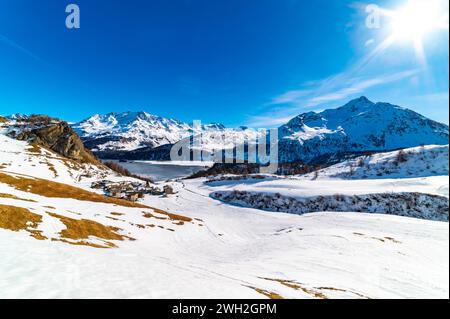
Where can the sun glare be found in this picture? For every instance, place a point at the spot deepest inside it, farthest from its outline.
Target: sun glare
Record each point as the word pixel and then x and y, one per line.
pixel 417 18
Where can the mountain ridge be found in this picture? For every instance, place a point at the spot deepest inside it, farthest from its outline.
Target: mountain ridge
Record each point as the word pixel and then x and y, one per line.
pixel 358 126
pixel 132 130
pixel 313 137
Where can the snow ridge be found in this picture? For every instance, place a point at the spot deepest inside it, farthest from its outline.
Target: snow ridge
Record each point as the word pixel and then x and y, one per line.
pixel 422 161
pixel 358 126
pixel 133 130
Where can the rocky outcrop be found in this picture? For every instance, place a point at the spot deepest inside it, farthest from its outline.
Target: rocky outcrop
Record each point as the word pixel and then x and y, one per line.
pixel 60 138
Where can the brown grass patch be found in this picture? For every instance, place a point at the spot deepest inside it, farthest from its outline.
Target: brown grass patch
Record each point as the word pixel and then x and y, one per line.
pixel 18 218
pixel 37 234
pixel 343 290
pixel 268 294
pixel 53 189
pixel 296 286
pixel 77 232
pixel 52 168
pixel 85 243
pixel 84 228
pixel 34 148
pixel 48 188
pixel 173 217
pixel 3 195
pixel 150 215
pixel 117 214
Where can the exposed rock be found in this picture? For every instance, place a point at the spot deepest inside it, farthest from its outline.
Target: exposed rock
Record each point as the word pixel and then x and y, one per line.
pixel 59 137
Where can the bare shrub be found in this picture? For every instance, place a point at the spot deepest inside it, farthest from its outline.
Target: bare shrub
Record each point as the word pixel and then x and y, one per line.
pixel 351 170
pixel 315 175
pixel 124 172
pixel 117 168
pixel 401 157
pixel 361 162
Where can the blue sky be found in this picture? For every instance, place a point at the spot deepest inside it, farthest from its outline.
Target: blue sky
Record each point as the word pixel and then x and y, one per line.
pixel 238 62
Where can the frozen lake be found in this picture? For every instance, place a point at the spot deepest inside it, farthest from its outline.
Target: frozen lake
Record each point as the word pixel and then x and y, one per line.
pixel 161 171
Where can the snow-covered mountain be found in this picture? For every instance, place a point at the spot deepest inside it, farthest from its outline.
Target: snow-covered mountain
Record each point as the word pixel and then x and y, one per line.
pixel 358 126
pixel 133 130
pixel 63 239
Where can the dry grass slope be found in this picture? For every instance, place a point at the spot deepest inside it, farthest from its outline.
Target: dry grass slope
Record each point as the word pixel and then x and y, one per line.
pixel 3 195
pixel 268 294
pixel 53 189
pixel 18 218
pixel 79 229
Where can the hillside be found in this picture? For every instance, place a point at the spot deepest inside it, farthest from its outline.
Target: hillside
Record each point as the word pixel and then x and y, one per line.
pixel 422 161
pixel 52 134
pixel 61 239
pixel 46 195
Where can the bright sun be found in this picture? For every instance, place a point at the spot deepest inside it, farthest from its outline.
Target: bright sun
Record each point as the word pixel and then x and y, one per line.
pixel 417 18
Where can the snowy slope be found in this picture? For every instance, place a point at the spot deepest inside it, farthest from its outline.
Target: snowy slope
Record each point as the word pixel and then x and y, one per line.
pixel 358 126
pixel 62 241
pixel 349 255
pixel 428 160
pixel 20 157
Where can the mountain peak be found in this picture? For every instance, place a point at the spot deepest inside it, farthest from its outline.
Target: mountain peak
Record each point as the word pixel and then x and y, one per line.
pixel 361 102
pixel 363 99
pixel 357 126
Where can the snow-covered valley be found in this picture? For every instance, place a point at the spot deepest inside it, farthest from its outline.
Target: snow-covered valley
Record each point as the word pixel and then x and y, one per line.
pixel 237 252
pixel 61 239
